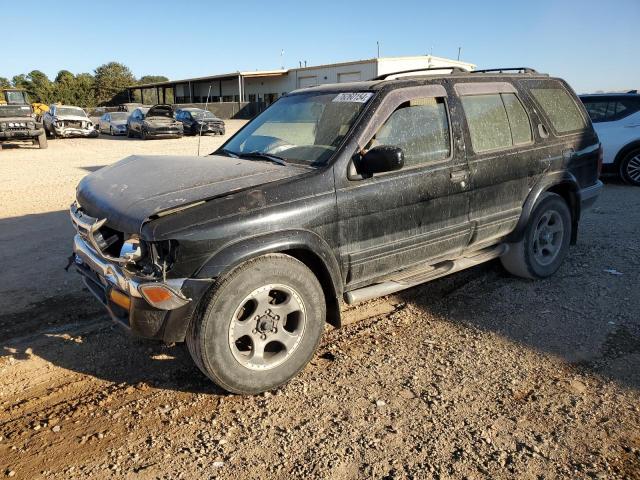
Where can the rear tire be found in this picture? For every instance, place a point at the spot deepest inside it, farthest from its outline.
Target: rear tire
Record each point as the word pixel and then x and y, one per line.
pixel 545 242
pixel 129 133
pixel 630 168
pixel 260 326
pixel 42 141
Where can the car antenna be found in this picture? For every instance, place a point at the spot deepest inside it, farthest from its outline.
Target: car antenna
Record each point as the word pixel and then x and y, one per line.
pixel 202 123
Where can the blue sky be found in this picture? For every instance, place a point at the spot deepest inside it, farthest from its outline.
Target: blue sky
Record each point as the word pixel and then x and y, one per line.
pixel 592 44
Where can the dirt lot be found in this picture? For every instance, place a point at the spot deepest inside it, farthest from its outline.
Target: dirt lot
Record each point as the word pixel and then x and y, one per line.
pixel 478 375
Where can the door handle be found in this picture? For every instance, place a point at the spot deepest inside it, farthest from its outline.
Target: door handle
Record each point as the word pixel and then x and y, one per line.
pixel 568 153
pixel 460 176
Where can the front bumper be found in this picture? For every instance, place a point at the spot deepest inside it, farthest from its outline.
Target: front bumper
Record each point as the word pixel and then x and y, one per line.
pixel 119 288
pixel 67 132
pixel 22 134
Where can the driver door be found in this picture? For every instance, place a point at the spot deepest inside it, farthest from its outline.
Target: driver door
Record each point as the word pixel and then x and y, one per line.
pixel 414 215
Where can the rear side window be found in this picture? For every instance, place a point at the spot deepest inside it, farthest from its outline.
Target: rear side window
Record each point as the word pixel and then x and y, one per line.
pixel 610 109
pixel 496 121
pixel 421 128
pixel 560 108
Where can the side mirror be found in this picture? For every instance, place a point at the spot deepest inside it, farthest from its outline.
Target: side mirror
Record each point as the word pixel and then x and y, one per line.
pixel 383 158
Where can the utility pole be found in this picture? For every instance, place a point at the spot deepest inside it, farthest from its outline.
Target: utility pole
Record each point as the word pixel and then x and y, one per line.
pixel 378 45
pixel 459 50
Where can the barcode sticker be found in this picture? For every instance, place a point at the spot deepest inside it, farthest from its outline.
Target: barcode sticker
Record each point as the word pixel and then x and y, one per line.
pixel 356 97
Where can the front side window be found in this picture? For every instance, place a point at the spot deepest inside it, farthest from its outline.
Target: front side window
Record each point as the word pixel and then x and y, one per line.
pixel 305 128
pixel 560 108
pixel 420 127
pixel 496 121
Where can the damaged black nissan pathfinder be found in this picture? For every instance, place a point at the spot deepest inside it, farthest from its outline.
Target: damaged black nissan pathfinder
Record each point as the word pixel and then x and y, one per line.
pixel 335 193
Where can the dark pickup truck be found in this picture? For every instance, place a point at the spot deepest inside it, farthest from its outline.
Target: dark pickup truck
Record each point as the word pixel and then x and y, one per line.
pixel 337 193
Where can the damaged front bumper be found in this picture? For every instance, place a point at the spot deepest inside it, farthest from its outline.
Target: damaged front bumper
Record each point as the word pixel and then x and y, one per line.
pixel 122 291
pixel 67 132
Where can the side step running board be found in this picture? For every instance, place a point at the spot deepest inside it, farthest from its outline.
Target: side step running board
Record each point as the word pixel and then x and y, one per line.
pixel 429 272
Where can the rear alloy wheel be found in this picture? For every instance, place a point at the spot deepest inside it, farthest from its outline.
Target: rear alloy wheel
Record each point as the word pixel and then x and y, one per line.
pixel 261 325
pixel 545 242
pixel 630 168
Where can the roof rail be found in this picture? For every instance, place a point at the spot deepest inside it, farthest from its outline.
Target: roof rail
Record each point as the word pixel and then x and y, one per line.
pixel 415 70
pixel 502 70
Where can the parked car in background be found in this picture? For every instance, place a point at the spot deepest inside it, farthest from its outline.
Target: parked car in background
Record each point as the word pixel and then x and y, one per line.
pixel 334 193
pixel 155 122
pixel 17 123
pixel 198 120
pixel 113 123
pixel 68 121
pixel 616 119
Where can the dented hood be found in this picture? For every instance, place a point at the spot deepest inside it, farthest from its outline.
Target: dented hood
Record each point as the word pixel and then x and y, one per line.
pixel 132 190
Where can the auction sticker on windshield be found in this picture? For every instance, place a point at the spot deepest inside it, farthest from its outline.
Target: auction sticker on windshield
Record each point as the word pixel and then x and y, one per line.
pixel 358 97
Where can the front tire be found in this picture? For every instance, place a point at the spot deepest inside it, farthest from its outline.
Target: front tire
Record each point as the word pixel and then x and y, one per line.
pixel 260 326
pixel 42 141
pixel 545 242
pixel 630 168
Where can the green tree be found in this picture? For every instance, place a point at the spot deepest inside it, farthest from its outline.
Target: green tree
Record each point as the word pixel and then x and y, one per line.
pixel 20 81
pixel 39 87
pixel 85 90
pixel 111 81
pixel 4 82
pixel 152 79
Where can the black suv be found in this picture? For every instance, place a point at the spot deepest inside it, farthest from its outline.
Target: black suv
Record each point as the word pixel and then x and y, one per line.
pixel 335 193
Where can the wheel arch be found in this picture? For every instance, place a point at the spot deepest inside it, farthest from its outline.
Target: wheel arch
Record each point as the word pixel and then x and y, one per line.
pixel 622 153
pixel 302 245
pixel 563 184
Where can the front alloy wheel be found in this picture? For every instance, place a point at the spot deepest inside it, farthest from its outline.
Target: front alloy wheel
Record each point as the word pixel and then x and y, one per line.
pixel 260 326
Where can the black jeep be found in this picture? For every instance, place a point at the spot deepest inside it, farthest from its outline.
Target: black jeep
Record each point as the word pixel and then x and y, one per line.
pixel 335 193
pixel 18 124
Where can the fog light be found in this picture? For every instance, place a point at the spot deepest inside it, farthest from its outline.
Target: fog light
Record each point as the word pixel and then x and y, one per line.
pixel 161 296
pixel 120 299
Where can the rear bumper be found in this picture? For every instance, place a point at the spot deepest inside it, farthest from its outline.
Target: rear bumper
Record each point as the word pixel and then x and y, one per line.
pixel 589 195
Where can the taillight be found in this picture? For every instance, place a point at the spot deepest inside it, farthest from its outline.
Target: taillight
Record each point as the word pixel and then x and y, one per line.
pixel 600 158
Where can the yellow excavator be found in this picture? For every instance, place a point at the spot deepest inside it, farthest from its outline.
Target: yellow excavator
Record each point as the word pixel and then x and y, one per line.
pixel 18 96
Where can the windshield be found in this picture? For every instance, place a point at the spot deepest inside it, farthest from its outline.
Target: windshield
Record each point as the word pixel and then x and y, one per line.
pixel 14 111
pixel 305 128
pixel 18 97
pixel 75 111
pixel 202 114
pixel 119 116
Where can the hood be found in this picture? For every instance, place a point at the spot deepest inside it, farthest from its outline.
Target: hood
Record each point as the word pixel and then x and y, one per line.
pixel 18 119
pixel 132 190
pixel 160 111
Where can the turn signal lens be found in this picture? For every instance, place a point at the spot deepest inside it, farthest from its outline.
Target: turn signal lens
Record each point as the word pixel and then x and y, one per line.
pixel 161 296
pixel 120 299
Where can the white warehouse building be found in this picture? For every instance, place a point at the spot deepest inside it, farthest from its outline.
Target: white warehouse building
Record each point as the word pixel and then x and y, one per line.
pixel 246 93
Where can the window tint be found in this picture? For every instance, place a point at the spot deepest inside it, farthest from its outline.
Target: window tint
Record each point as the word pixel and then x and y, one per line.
pixel 560 108
pixel 610 109
pixel 421 128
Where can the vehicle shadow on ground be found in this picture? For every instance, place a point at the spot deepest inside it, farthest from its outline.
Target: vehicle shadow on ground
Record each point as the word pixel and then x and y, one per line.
pixel 564 316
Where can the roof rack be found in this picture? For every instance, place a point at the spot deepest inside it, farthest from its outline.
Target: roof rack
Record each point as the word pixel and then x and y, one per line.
pixel 502 70
pixel 453 70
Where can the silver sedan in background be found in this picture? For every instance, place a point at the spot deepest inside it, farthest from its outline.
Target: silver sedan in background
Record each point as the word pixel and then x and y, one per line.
pixel 113 123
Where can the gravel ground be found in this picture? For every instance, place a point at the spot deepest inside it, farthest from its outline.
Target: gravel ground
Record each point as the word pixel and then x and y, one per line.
pixel 477 375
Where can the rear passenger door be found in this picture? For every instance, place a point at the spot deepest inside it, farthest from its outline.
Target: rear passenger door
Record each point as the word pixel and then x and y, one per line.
pixel 413 215
pixel 503 159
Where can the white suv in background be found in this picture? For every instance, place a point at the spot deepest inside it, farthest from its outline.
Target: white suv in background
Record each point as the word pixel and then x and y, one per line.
pixel 616 119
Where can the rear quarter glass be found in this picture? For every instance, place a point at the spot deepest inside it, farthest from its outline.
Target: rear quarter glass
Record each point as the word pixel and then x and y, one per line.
pixel 559 106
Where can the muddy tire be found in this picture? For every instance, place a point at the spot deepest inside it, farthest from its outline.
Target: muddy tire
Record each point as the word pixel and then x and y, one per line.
pixel 545 243
pixel 260 325
pixel 129 133
pixel 630 168
pixel 42 140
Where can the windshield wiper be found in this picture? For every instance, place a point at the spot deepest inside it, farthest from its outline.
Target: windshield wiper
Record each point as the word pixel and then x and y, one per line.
pixel 229 152
pixel 265 156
